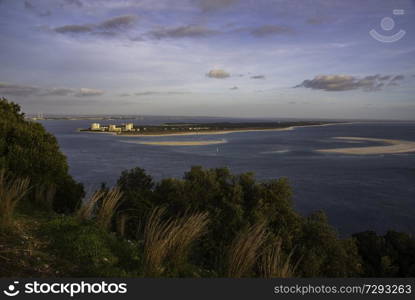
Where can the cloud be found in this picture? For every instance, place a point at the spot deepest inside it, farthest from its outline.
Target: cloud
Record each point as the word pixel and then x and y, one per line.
pixel 17 90
pixel 348 82
pixel 145 93
pixel 234 88
pixel 117 23
pixel 267 30
pixel 149 93
pixel 318 20
pixel 258 77
pixel 394 80
pixel 74 29
pixel 30 7
pixel 215 5
pixel 28 90
pixel 107 27
pixel 84 92
pixel 58 92
pixel 74 2
pixel 192 31
pixel 386 77
pixel 398 77
pixel 218 74
pixel 124 95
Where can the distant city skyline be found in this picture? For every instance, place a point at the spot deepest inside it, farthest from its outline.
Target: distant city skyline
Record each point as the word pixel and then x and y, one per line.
pixel 230 58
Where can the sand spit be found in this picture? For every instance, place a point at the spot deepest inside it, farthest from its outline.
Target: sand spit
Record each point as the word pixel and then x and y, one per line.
pixel 393 146
pixel 180 143
pixel 229 131
pixel 204 132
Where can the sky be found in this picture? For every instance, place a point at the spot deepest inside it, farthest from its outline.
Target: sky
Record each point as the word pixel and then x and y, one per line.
pixel 305 59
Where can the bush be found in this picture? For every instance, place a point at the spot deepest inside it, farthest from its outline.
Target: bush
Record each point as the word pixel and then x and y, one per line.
pixel 323 253
pixel 390 255
pixel 235 203
pixel 89 250
pixel 27 150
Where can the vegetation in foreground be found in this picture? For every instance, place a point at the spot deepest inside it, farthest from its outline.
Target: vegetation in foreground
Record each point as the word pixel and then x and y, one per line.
pixel 210 223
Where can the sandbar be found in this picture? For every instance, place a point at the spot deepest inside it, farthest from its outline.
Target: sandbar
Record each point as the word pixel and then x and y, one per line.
pixel 179 143
pixel 393 146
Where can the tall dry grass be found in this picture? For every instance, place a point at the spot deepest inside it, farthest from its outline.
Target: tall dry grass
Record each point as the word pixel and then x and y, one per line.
pixel 274 264
pixel 108 207
pixel 88 208
pixel 244 251
pixel 12 190
pixel 192 226
pixel 101 207
pixel 169 238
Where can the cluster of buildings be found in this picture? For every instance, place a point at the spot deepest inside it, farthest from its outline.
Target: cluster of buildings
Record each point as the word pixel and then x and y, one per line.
pixel 113 128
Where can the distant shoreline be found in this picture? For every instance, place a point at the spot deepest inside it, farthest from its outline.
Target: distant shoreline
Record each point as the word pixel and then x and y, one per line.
pixel 216 132
pixel 393 147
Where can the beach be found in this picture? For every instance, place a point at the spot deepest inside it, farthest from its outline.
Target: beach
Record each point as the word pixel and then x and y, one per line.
pixel 393 146
pixel 206 132
pixel 180 143
pixel 217 132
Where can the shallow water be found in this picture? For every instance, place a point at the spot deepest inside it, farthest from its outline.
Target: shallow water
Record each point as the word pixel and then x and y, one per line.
pixel 371 192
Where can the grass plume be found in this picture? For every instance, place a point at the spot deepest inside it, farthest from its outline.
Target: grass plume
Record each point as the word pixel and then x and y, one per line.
pixel 169 237
pixel 101 206
pixel 88 207
pixel 244 250
pixel 108 207
pixel 191 227
pixel 274 264
pixel 11 192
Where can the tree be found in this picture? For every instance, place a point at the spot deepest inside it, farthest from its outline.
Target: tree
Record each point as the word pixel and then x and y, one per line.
pixel 27 150
pixel 322 253
pixel 390 255
pixel 136 202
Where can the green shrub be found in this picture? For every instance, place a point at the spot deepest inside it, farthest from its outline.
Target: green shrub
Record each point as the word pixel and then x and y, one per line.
pixel 234 203
pixel 27 150
pixel 390 255
pixel 90 250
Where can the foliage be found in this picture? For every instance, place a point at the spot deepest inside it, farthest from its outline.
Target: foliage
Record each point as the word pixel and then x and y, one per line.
pixel 390 255
pixel 323 253
pixel 11 192
pixel 27 150
pixel 237 202
pixel 90 250
pixel 136 187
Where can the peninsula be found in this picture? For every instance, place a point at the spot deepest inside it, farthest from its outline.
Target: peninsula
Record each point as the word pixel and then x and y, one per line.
pixel 130 129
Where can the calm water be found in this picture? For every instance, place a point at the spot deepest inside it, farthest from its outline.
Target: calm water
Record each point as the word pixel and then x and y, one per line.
pixel 375 192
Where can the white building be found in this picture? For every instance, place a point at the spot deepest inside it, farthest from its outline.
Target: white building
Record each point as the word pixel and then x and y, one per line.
pixel 113 128
pixel 95 126
pixel 129 126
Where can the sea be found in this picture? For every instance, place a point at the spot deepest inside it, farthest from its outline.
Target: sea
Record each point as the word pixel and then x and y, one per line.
pixel 357 192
